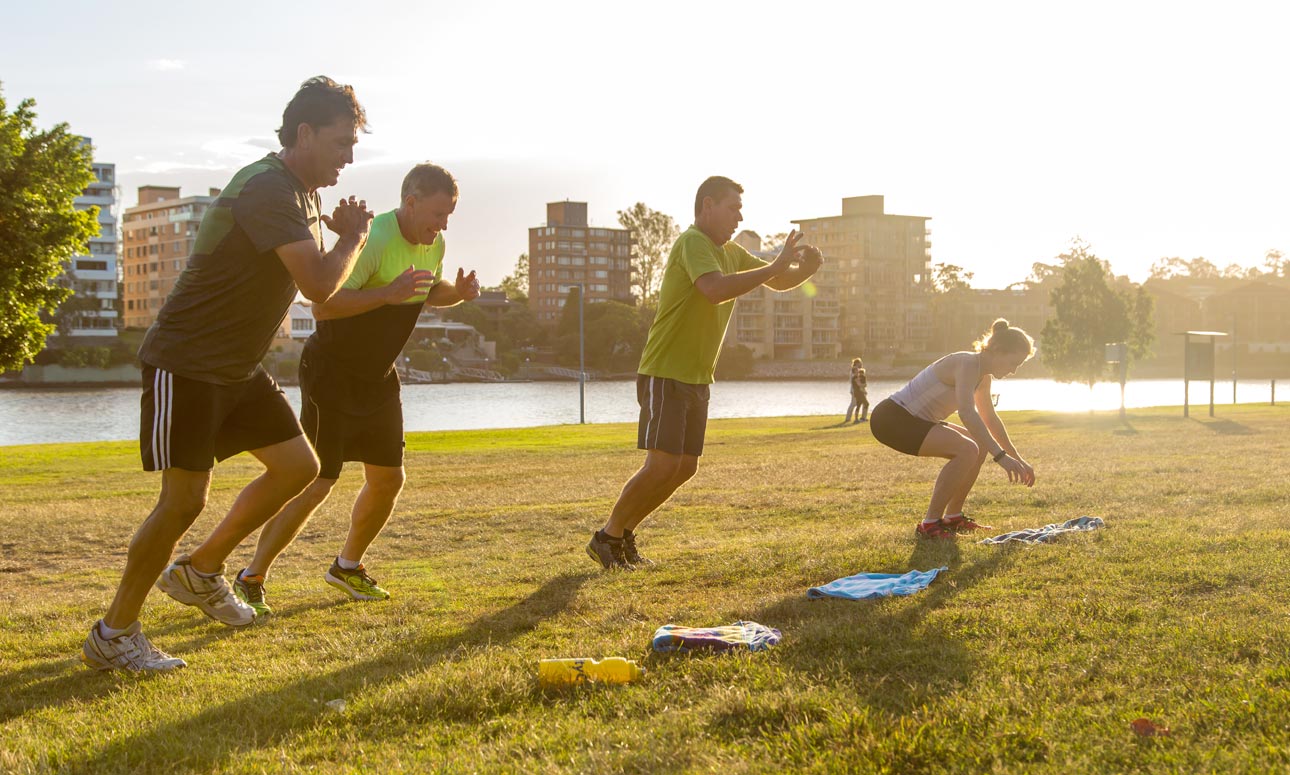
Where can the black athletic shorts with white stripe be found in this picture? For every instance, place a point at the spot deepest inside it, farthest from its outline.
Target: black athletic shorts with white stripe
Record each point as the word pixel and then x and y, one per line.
pixel 674 415
pixel 188 424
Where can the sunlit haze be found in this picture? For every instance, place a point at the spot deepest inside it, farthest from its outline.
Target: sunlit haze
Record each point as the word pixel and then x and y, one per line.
pixel 1148 129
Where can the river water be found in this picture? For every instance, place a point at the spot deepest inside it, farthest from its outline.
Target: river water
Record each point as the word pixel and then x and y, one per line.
pixel 34 416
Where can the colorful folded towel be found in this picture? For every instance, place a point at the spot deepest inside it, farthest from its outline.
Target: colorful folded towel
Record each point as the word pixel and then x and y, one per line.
pixel 738 636
pixel 866 586
pixel 1047 533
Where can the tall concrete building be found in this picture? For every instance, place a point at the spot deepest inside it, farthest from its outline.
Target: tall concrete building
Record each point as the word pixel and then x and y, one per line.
pixel 92 274
pixel 797 325
pixel 565 251
pixel 883 270
pixel 159 235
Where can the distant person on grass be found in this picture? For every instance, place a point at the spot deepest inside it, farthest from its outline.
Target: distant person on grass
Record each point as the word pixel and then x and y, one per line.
pixel 205 395
pixel 859 394
pixel 704 275
pixel 349 389
pixel 913 421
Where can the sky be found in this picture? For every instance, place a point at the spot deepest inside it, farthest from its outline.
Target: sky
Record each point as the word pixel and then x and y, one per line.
pixel 1147 129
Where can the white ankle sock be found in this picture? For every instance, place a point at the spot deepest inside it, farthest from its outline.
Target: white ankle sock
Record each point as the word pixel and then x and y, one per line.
pixel 108 632
pixel 349 564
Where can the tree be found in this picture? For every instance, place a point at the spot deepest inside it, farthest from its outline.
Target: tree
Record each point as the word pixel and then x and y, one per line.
pixel 653 233
pixel 1091 309
pixel 948 277
pixel 773 243
pixel 516 284
pixel 41 174
pixel 615 334
pixel 951 306
pixel 1277 264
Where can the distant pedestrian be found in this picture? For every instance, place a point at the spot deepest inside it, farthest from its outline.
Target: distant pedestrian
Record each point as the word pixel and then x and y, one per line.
pixel 913 421
pixel 859 394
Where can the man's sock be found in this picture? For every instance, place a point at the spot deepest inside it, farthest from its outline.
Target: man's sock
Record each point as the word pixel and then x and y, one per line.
pixel 349 564
pixel 110 632
pixel 603 536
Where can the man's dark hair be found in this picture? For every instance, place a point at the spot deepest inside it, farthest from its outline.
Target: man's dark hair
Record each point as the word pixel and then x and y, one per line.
pixel 715 187
pixel 320 102
pixel 427 179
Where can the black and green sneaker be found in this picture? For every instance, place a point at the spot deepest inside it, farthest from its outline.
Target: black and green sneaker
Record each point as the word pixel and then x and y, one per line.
pixel 250 590
pixel 608 551
pixel 355 583
pixel 630 553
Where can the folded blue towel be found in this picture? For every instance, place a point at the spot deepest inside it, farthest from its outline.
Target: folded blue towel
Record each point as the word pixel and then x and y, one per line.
pixel 738 636
pixel 864 586
pixel 1047 533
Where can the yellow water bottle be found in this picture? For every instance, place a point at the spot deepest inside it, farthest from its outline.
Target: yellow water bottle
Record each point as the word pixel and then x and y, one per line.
pixel 568 672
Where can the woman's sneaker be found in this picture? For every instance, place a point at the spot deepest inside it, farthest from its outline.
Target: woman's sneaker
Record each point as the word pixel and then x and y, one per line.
pixel 131 650
pixel 250 590
pixel 355 583
pixel 935 529
pixel 211 594
pixel 960 522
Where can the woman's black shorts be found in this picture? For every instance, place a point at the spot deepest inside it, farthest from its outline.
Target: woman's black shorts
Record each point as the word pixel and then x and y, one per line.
pixel 893 425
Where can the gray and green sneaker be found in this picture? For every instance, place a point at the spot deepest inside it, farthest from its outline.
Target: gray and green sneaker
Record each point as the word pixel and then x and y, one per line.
pixel 250 590
pixel 355 583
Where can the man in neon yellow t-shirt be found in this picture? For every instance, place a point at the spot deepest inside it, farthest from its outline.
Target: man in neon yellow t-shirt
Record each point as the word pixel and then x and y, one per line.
pixel 704 275
pixel 349 388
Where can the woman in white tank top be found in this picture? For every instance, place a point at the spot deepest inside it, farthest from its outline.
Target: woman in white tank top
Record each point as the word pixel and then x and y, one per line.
pixel 913 421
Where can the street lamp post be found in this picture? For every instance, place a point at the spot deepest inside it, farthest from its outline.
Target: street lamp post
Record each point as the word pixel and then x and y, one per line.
pixel 582 362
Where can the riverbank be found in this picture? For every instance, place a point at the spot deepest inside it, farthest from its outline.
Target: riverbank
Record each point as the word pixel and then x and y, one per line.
pixel 1022 660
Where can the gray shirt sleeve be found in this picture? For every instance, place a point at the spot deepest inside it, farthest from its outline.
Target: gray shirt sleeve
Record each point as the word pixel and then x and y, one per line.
pixel 271 212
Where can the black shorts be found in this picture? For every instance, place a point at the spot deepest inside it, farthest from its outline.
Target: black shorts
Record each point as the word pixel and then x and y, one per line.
pixel 188 424
pixel 375 436
pixel 674 415
pixel 893 425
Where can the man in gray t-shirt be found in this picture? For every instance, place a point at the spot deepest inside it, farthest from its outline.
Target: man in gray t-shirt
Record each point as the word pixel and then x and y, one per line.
pixel 205 396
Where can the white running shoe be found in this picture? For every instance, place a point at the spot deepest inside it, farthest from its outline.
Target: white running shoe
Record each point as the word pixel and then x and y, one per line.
pixel 131 650
pixel 212 595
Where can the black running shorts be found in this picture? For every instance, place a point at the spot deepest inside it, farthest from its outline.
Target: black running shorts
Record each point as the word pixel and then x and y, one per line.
pixel 375 436
pixel 188 424
pixel 893 425
pixel 674 415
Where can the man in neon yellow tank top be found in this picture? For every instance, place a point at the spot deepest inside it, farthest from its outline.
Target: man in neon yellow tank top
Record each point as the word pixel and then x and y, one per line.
pixel 349 388
pixel 704 275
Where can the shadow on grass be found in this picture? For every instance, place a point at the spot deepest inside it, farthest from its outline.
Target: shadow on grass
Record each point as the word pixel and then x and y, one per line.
pixel 57 681
pixel 1226 427
pixel 893 658
pixel 269 717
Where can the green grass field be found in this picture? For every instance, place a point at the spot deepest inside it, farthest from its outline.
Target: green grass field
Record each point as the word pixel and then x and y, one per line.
pixel 1021 659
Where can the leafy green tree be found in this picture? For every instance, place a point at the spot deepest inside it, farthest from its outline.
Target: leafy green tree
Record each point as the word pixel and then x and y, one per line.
pixel 654 234
pixel 516 284
pixel 1091 309
pixel 614 334
pixel 41 174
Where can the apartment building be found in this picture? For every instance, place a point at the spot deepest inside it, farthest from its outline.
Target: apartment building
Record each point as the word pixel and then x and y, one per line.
pixel 883 275
pixel 92 275
pixel 159 233
pixel 797 325
pixel 565 252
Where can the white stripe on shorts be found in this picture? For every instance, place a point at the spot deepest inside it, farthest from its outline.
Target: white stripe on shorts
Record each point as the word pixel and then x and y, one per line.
pixel 163 385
